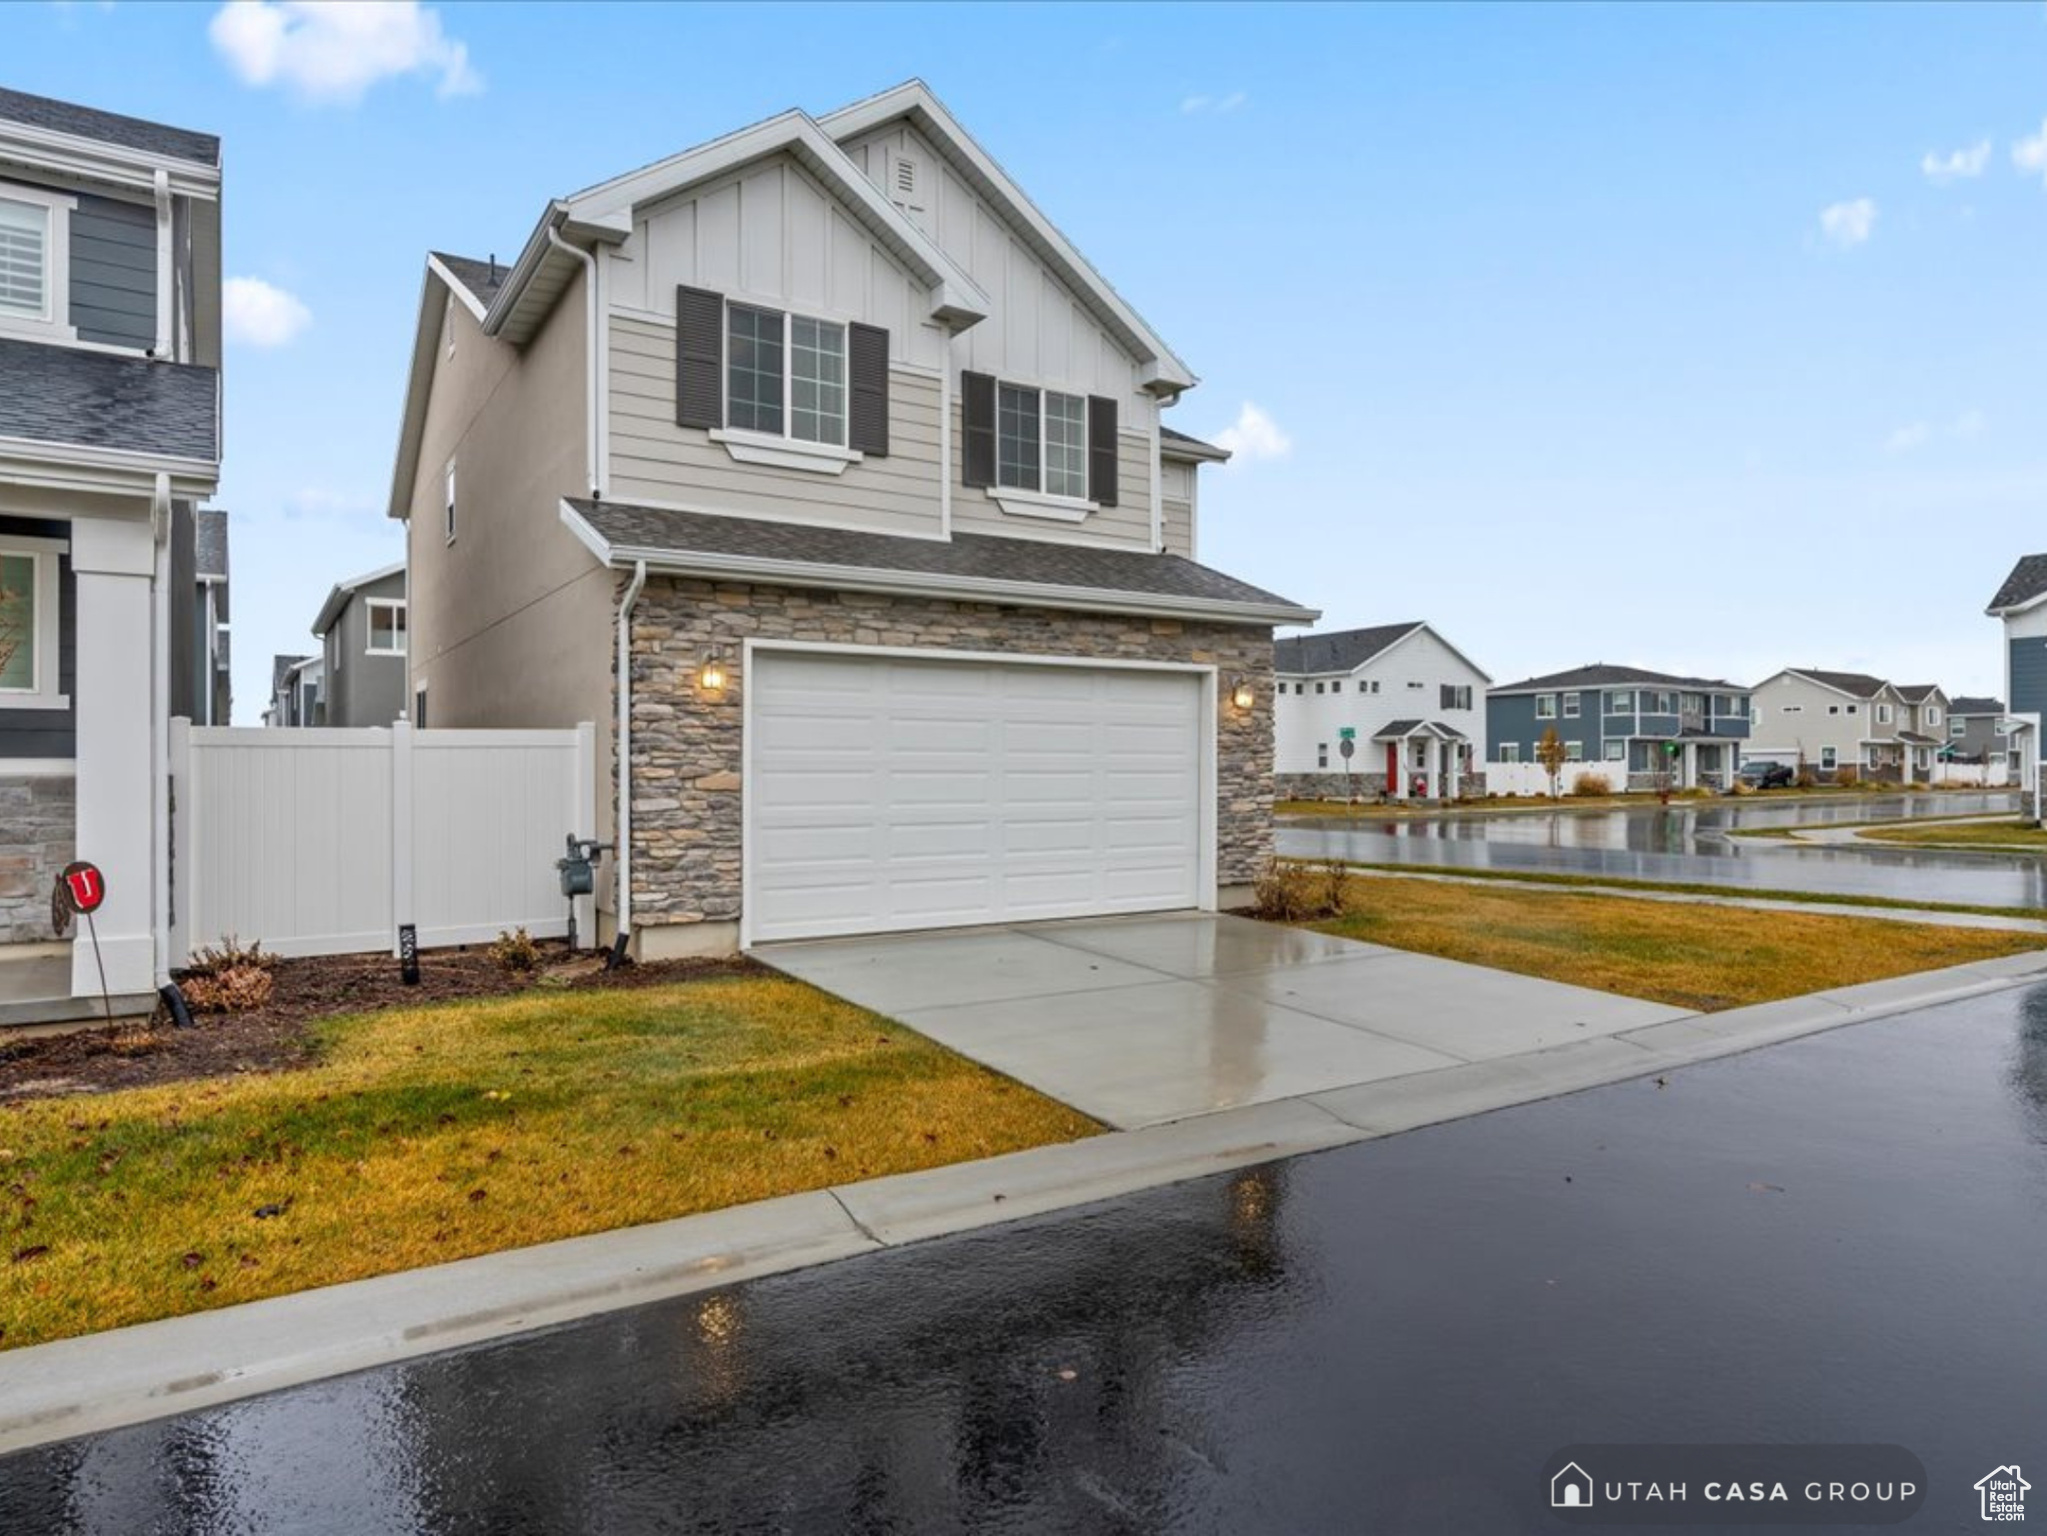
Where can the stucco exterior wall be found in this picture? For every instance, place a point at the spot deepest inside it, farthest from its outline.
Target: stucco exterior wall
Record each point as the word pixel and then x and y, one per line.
pixel 687 744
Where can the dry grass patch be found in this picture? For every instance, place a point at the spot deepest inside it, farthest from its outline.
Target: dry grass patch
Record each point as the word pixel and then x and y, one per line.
pixel 1690 956
pixel 2002 833
pixel 436 1133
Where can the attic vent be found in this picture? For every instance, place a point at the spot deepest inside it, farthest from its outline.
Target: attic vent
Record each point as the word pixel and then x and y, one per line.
pixel 906 178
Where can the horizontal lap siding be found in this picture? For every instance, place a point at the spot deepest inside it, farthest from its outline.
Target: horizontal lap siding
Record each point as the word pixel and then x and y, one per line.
pixel 653 459
pixel 1127 523
pixel 113 272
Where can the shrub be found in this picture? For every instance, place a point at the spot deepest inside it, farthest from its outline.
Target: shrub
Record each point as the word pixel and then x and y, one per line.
pixel 1592 784
pixel 515 953
pixel 1806 779
pixel 228 977
pixel 1296 893
pixel 1846 777
pixel 230 954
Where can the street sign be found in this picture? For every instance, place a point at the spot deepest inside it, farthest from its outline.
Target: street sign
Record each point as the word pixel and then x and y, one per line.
pixel 1347 746
pixel 1347 732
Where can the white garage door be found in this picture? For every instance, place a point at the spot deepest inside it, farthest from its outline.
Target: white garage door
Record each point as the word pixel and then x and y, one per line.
pixel 887 793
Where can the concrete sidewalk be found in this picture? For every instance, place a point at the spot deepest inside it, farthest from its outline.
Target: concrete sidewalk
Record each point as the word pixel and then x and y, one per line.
pixel 102 1381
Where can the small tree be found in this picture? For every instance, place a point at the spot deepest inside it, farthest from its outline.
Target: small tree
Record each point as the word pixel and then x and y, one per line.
pixel 1552 754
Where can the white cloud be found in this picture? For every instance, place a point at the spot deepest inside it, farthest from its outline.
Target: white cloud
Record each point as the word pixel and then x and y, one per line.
pixel 1918 434
pixel 1958 165
pixel 1848 224
pixel 334 50
pixel 1195 104
pixel 2030 155
pixel 260 315
pixel 1253 436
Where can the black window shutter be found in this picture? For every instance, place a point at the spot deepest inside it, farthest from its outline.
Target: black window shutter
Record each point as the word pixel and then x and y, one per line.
pixel 1101 451
pixel 977 419
pixel 699 358
pixel 867 406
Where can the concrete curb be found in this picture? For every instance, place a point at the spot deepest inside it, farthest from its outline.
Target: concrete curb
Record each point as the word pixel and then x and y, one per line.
pixel 130 1375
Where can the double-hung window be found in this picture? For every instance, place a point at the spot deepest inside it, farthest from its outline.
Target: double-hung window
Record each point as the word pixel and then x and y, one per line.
pixel 1570 706
pixel 28 624
pixel 1545 706
pixel 1040 441
pixel 785 375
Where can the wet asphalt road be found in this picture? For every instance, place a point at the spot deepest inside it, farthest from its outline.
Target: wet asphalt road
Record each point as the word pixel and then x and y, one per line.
pixel 1840 1239
pixel 1688 842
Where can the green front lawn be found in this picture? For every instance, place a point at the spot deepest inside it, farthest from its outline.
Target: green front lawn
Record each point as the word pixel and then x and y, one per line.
pixel 2001 833
pixel 428 1134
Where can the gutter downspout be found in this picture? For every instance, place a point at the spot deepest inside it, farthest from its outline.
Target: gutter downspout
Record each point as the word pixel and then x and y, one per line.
pixel 622 862
pixel 594 361
pixel 159 729
pixel 166 280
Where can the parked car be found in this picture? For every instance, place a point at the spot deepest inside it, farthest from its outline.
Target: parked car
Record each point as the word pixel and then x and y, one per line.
pixel 1763 775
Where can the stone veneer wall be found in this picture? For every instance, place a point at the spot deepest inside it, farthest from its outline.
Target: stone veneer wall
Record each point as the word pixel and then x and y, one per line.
pixel 38 830
pixel 686 742
pixel 1361 786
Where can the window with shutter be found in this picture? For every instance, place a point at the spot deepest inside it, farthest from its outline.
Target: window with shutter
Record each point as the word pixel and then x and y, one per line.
pixel 977 435
pixel 867 366
pixel 699 358
pixel 24 260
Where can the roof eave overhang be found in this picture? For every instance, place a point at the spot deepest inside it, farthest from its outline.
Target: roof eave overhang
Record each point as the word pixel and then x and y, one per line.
pixel 804 573
pixel 132 170
pixel 2001 610
pixel 1192 453
pixel 29 461
pixel 418 383
pixel 1160 370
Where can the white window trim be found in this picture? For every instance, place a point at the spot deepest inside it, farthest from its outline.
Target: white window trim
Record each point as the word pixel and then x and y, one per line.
pixel 1510 751
pixel 1571 706
pixel 1574 751
pixel 49 661
pixel 370 607
pixel 785 452
pixel 55 323
pixel 1883 714
pixel 1616 752
pixel 1043 503
pixel 1545 714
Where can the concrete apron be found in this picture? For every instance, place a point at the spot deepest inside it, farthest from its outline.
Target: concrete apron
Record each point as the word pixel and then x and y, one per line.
pixel 130 1375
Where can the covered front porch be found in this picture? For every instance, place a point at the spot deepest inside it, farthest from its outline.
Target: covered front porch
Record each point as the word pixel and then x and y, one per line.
pixel 1690 760
pixel 1425 759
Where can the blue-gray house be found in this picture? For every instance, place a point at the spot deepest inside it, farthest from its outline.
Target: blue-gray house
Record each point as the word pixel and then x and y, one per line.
pixel 1646 725
pixel 2021 603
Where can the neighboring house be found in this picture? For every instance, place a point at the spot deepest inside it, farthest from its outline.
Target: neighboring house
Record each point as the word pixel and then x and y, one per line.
pixel 1975 730
pixel 295 697
pixel 821 457
pixel 199 646
pixel 1414 705
pixel 1925 727
pixel 1834 721
pixel 2021 604
pixel 361 630
pixel 109 437
pixel 1650 730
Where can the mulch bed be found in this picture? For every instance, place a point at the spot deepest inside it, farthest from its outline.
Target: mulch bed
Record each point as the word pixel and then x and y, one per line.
pixel 278 1035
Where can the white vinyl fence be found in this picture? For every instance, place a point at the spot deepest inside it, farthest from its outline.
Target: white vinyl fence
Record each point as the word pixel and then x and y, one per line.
pixel 1531 779
pixel 325 841
pixel 1990 775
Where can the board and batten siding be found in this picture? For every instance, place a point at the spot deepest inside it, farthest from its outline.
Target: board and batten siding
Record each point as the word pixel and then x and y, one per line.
pixel 1038 331
pixel 113 272
pixel 655 460
pixel 770 235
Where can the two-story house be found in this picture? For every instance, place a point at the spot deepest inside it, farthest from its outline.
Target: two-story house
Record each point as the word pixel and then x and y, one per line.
pixel 1411 706
pixel 1831 721
pixel 1923 727
pixel 1655 730
pixel 294 691
pixel 2021 606
pixel 820 466
pixel 361 629
pixel 109 436
pixel 1975 730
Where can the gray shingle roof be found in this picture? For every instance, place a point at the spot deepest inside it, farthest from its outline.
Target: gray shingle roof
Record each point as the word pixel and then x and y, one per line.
pixel 973 556
pixel 1169 439
pixel 210 540
pixel 1970 704
pixel 1916 693
pixel 280 666
pixel 102 400
pixel 482 278
pixel 108 127
pixel 1860 684
pixel 2028 579
pixel 1338 651
pixel 1600 675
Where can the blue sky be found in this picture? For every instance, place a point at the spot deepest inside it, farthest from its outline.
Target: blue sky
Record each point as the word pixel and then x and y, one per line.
pixel 1698 338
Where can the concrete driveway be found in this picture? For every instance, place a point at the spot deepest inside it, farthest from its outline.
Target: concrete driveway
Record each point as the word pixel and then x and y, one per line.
pixel 1141 1020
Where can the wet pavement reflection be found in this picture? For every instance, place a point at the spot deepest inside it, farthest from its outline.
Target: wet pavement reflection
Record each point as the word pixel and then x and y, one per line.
pixel 1839 1239
pixel 1690 842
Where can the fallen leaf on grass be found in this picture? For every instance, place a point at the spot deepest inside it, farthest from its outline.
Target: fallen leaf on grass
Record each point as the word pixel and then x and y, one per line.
pixel 23 1255
pixel 193 1260
pixel 476 1195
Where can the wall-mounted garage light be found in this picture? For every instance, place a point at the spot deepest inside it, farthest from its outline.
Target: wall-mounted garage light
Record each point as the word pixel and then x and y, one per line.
pixel 1242 694
pixel 711 675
